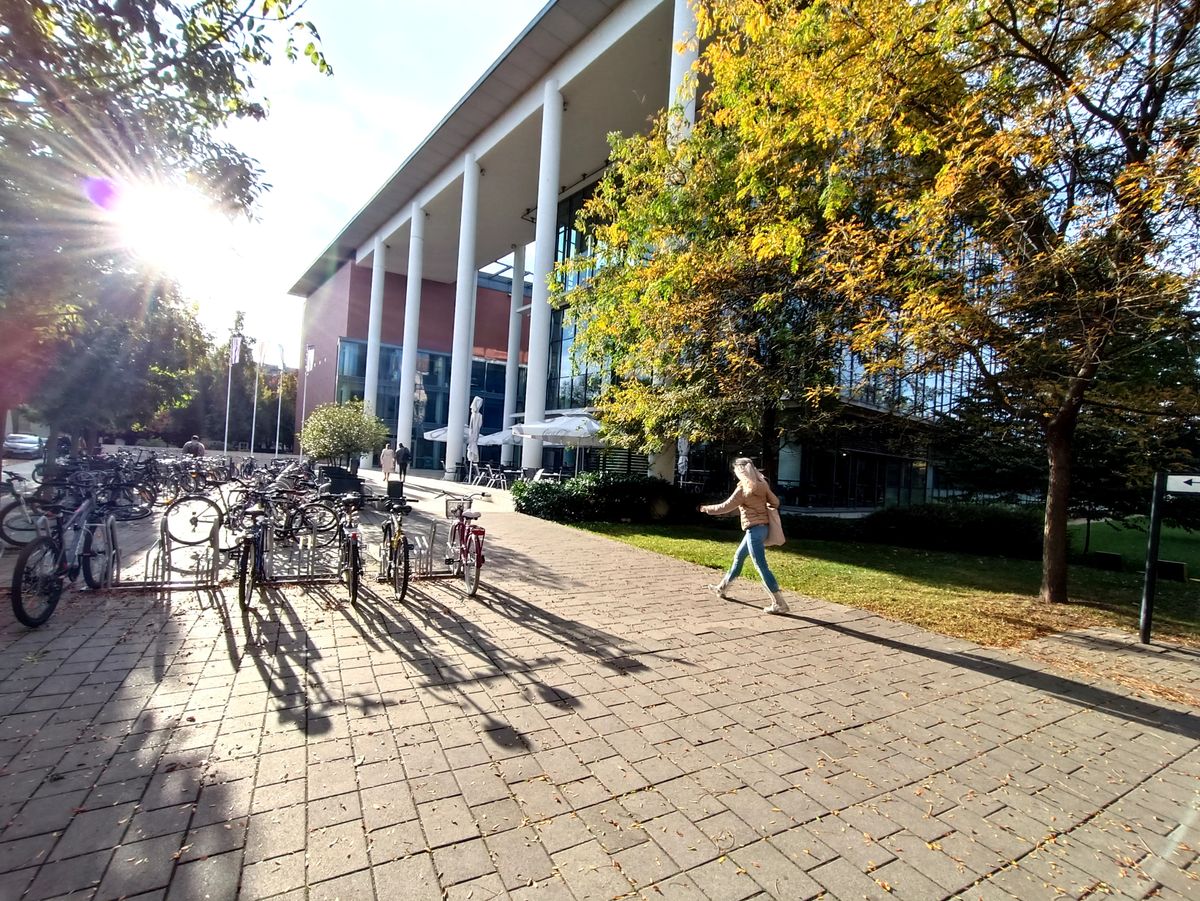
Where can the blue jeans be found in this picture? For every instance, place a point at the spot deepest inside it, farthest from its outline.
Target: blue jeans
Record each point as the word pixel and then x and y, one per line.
pixel 752 546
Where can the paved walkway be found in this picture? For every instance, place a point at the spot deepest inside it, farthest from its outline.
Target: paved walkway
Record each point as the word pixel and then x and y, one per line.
pixel 593 725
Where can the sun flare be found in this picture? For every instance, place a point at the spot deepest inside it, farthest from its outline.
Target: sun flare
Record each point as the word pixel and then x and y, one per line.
pixel 178 231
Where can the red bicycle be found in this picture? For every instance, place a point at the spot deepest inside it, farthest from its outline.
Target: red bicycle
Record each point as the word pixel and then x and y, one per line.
pixel 464 547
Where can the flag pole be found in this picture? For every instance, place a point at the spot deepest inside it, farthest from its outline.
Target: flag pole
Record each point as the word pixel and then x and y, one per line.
pixel 279 400
pixel 235 349
pixel 254 416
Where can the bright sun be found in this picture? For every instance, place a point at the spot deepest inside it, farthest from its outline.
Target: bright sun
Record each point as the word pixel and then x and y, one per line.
pixel 179 232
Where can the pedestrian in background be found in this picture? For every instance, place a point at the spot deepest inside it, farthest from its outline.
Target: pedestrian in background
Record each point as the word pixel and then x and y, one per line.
pixel 387 461
pixel 194 448
pixel 751 498
pixel 402 458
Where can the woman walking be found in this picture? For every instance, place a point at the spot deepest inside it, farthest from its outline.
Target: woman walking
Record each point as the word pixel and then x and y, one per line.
pixel 387 461
pixel 751 499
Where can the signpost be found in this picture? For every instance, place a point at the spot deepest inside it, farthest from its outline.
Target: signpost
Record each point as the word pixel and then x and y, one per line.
pixel 1186 483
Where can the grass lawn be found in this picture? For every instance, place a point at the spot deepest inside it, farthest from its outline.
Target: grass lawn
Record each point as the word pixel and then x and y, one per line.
pixel 989 600
pixel 1129 540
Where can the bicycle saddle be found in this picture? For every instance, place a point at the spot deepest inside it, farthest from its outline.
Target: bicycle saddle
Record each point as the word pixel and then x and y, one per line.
pixel 400 506
pixel 471 514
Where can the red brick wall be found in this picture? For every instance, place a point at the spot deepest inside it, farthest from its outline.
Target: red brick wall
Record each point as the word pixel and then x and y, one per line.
pixel 340 308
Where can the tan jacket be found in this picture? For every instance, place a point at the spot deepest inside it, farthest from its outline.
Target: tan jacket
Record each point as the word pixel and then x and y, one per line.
pixel 752 506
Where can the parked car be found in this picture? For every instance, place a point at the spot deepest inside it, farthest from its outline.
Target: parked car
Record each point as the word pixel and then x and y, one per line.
pixel 18 445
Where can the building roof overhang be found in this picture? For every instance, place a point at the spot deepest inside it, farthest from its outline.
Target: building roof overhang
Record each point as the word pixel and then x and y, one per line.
pixel 611 57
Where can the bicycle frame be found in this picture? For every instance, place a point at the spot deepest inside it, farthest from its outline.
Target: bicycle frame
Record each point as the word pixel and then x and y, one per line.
pixel 58 533
pixel 465 541
pixel 461 531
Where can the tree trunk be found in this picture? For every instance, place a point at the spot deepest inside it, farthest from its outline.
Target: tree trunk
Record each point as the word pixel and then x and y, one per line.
pixel 1058 492
pixel 770 443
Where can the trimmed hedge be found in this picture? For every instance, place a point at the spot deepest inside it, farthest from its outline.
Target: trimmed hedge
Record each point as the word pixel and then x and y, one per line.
pixel 990 530
pixel 605 497
pixel 995 530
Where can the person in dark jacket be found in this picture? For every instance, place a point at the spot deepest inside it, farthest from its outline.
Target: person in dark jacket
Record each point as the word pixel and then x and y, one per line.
pixel 402 457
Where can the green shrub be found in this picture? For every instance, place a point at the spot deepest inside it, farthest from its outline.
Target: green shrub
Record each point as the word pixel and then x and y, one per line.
pixel 604 497
pixel 151 442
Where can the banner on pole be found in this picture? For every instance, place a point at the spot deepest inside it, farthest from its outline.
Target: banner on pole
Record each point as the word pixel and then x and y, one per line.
pixel 309 357
pixel 235 349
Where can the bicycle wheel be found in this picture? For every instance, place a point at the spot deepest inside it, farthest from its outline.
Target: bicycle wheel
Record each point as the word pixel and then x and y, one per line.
pixel 471 559
pixel 247 575
pixel 319 520
pixel 353 571
pixel 101 555
pixel 39 471
pixel 192 519
pixel 37 582
pixel 128 502
pixel 401 568
pixel 18 523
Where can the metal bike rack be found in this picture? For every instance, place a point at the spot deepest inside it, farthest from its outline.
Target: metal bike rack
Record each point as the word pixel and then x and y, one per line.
pixel 164 569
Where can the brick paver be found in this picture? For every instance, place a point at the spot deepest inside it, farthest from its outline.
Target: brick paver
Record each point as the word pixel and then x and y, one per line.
pixel 594 724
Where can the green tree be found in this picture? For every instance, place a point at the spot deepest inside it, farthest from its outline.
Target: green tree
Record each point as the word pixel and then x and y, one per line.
pixel 95 95
pixel 133 354
pixel 1011 183
pixel 340 432
pixel 705 335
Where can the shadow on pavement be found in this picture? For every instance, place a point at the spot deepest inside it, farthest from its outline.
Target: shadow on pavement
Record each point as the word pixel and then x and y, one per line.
pixel 1092 697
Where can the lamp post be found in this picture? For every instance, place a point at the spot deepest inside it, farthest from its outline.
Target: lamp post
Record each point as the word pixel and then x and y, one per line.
pixel 279 404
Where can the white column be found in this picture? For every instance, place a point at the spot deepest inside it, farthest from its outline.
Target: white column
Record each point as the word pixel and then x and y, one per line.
pixel 682 60
pixel 412 319
pixel 374 330
pixel 543 263
pixel 513 363
pixel 375 325
pixel 464 315
pixel 685 49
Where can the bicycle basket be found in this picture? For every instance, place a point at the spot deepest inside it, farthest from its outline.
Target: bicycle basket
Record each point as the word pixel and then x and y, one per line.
pixel 456 505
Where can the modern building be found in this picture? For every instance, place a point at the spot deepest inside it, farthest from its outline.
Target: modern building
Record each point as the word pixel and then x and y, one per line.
pixel 412 305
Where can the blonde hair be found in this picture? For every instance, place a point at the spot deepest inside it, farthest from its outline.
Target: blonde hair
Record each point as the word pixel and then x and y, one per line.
pixel 747 473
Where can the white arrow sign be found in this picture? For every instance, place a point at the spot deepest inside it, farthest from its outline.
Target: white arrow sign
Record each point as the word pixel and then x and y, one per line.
pixel 1183 484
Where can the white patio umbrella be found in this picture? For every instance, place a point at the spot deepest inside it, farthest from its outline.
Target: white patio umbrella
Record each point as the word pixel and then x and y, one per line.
pixel 441 434
pixel 504 436
pixel 573 431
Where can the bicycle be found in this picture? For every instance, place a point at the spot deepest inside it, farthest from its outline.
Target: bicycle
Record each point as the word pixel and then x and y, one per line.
pixel 253 546
pixel 350 550
pixel 395 550
pixel 18 518
pixel 192 519
pixel 47 562
pixel 464 545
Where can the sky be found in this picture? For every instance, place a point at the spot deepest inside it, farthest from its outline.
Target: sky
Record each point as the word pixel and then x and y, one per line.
pixel 329 143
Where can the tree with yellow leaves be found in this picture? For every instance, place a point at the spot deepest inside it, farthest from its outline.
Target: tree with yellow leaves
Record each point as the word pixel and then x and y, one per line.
pixel 1013 183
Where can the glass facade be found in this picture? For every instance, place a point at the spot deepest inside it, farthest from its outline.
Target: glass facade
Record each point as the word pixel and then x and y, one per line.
pixel 919 394
pixel 431 397
pixel 570 384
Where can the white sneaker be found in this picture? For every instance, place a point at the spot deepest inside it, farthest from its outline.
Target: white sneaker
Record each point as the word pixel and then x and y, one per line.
pixel 778 604
pixel 719 590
